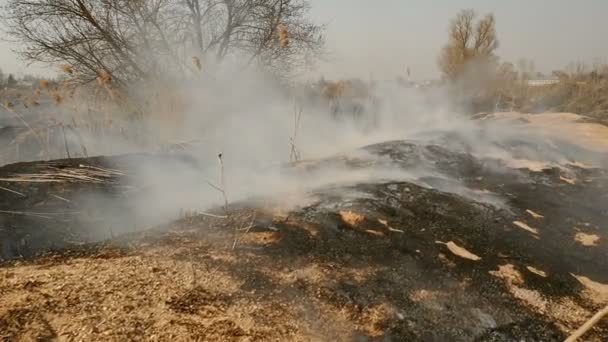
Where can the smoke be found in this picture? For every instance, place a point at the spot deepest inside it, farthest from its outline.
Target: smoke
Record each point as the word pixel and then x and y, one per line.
pixel 248 116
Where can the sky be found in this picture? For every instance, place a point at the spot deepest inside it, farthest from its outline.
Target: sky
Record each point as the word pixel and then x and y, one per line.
pixel 382 38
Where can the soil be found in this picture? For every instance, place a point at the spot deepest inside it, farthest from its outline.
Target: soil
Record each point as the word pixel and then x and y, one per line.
pixel 442 258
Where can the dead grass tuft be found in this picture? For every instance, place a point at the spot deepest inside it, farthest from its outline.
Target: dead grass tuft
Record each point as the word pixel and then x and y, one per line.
pixel 43 84
pixel 57 98
pixel 68 69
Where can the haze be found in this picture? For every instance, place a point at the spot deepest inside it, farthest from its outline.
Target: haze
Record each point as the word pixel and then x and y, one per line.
pixel 382 39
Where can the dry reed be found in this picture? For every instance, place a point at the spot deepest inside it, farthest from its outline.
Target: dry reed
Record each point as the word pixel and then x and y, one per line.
pixel 43 84
pixel 104 77
pixel 68 69
pixel 283 33
pixel 294 155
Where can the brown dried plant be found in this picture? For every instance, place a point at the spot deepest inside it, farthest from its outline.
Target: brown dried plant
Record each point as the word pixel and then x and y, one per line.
pixel 68 69
pixel 43 84
pixel 283 33
pixel 57 98
pixel 104 77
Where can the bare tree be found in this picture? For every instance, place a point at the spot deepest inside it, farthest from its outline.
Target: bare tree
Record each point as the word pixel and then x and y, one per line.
pixel 468 41
pixel 148 38
pixel 221 28
pixel 92 36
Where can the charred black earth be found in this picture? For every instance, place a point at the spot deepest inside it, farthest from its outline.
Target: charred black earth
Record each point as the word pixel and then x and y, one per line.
pixel 461 248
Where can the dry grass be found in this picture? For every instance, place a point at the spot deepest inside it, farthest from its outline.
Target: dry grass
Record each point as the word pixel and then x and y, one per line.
pixel 580 92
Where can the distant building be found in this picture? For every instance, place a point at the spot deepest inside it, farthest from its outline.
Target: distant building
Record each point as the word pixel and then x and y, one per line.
pixel 542 82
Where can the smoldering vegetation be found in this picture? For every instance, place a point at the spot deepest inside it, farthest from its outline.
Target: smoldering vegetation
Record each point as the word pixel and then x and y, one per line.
pixel 168 157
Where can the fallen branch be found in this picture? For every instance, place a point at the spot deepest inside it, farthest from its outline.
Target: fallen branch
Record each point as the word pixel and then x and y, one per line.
pixel 588 325
pixel 26 214
pixel 31 213
pixel 213 215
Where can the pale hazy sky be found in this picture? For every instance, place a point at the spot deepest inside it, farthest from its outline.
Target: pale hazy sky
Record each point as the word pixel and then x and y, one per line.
pixel 384 37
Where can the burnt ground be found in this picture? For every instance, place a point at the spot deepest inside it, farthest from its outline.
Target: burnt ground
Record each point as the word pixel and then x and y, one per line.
pixel 475 252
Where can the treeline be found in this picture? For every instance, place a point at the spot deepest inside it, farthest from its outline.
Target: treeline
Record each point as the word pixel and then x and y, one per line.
pixel 481 82
pixel 9 80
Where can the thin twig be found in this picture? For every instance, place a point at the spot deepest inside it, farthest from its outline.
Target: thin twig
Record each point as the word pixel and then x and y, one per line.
pixel 61 198
pixel 236 235
pixel 13 191
pixel 251 223
pixel 214 186
pixel 222 182
pixel 294 155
